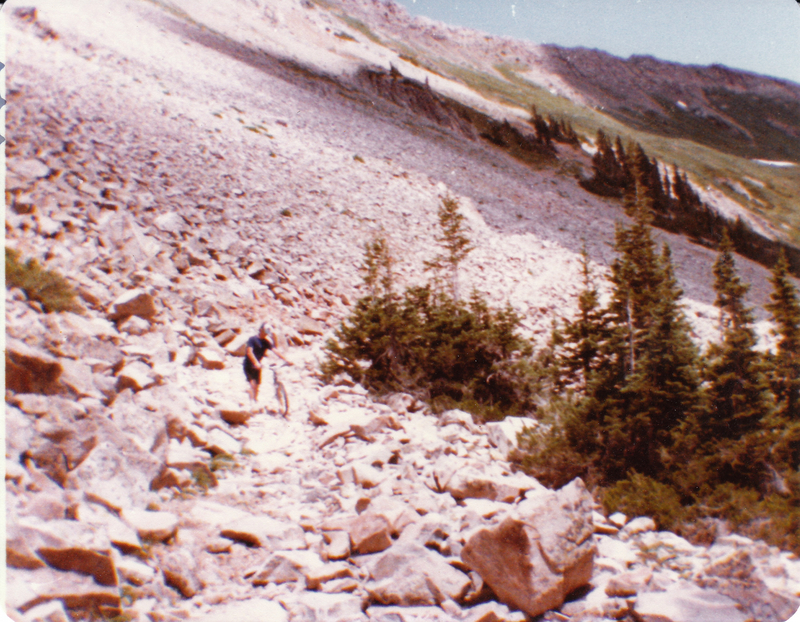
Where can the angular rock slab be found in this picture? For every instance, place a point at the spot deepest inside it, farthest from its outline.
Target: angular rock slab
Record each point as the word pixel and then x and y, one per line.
pixel 317 607
pixel 29 369
pixel 252 610
pixel 685 602
pixel 534 559
pixel 64 545
pixel 134 302
pixel 26 589
pixel 411 575
pixel 261 531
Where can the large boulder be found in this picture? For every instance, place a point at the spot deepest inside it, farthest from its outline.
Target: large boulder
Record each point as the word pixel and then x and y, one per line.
pixel 117 473
pixel 61 544
pixel 30 369
pixel 503 434
pixel 409 574
pixel 533 559
pixel 133 302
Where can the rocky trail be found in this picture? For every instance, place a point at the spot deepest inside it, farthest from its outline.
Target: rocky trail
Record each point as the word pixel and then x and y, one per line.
pixel 189 199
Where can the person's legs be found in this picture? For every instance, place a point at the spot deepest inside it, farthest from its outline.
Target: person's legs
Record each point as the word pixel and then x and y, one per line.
pixel 253 389
pixel 253 380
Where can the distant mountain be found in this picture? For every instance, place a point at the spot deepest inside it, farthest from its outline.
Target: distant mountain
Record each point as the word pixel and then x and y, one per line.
pixel 742 113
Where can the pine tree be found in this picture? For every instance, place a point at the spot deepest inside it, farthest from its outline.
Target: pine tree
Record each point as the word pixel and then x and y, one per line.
pixel 785 373
pixel 455 242
pixel 578 342
pixel 641 381
pixel 739 396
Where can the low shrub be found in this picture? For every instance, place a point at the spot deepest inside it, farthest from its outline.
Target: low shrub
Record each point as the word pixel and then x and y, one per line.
pixel 639 495
pixel 46 287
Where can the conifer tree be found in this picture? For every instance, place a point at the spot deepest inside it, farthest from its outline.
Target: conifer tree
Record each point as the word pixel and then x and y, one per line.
pixel 785 310
pixel 579 342
pixel 641 382
pixel 739 396
pixel 455 242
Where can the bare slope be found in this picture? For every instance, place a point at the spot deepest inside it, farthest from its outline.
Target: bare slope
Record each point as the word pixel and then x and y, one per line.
pixel 190 183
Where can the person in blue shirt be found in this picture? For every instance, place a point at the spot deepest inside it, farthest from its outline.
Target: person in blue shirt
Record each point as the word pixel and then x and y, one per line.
pixel 256 349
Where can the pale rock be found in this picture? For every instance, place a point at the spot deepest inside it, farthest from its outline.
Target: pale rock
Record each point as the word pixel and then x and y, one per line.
pixel 30 369
pixel 637 526
pixel 120 534
pixel 321 607
pixel 180 569
pixel 181 455
pixel 117 473
pixel 685 602
pixel 493 612
pixel 62 544
pixel 225 337
pixel 215 514
pixel 152 526
pixel 134 325
pixel 629 583
pixel 287 566
pixel 402 403
pixel 533 561
pixel 234 413
pixel 136 376
pixel 72 442
pixel 621 552
pixel 265 531
pixel 458 417
pixel 135 572
pixel 410 574
pixel 52 611
pixel 618 519
pixel 14 470
pixel 146 427
pixel 197 435
pixel 603 526
pixel 79 380
pixel 392 613
pixel 470 483
pixel 210 358
pixel 307 326
pixel 250 610
pixel 485 508
pixel 337 544
pixel 370 533
pixel 366 475
pixel 237 346
pixel 398 514
pixel 30 168
pixel 220 442
pixel 47 226
pixel 503 434
pixel 27 588
pixel 132 302
pixel 170 222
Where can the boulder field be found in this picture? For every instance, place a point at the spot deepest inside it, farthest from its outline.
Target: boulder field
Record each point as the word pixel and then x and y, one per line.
pixel 140 482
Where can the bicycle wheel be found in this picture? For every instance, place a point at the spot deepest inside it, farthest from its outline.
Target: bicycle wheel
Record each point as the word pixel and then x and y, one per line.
pixel 282 397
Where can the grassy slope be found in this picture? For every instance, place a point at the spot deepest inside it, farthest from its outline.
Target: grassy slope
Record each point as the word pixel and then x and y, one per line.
pixel 772 190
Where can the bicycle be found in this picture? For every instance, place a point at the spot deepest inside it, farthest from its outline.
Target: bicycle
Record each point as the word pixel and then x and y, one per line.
pixel 280 393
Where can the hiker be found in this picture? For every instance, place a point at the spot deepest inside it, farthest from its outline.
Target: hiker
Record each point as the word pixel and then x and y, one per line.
pixel 256 349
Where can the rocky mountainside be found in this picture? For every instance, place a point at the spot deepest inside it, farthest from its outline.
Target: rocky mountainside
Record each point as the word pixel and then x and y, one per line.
pixel 735 111
pixel 193 170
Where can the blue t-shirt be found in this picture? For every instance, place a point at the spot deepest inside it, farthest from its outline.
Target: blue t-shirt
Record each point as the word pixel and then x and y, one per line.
pixel 259 347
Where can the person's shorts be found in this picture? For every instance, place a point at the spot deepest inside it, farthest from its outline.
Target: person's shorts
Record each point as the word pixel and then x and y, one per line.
pixel 252 373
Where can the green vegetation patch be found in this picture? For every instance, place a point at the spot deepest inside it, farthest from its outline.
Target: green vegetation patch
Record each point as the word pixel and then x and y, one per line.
pixel 46 287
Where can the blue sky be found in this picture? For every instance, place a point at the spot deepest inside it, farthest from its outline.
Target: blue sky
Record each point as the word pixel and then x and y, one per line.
pixel 756 35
